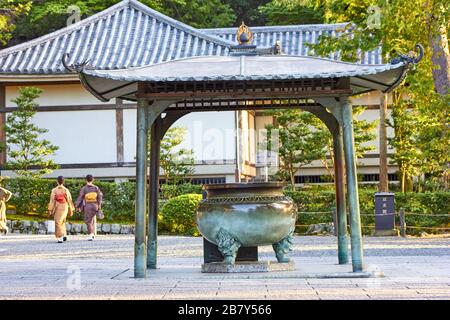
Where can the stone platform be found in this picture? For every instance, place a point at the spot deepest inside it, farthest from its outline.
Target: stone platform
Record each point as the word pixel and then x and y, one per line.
pixel 247 267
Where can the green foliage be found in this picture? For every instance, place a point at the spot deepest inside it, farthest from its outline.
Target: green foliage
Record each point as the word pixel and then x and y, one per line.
pixel 176 162
pixel 322 201
pixel 247 11
pixel 27 154
pixel 10 10
pixel 423 116
pixel 169 191
pixel 301 140
pixel 406 154
pixel 52 15
pixel 364 132
pixel 31 196
pixel 290 12
pixel 178 215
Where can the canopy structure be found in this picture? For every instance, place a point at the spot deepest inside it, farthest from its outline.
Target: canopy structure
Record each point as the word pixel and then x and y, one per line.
pixel 123 83
pixel 242 76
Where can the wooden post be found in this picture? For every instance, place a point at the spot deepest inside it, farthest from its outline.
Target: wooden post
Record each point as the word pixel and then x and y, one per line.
pixel 119 131
pixel 2 123
pixel 402 222
pixel 140 250
pixel 335 224
pixel 384 181
pixel 352 185
pixel 339 182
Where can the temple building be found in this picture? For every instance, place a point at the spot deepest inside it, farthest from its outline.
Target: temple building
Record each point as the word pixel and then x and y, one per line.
pixel 100 137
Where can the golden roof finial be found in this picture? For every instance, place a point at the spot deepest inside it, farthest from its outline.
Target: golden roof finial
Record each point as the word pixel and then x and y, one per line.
pixel 244 35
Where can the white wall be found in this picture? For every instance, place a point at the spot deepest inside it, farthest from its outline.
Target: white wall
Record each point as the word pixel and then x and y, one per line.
pixel 210 134
pixel 82 136
pixel 367 99
pixel 57 95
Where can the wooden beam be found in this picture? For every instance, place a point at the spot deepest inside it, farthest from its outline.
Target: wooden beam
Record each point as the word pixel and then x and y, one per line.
pixel 86 107
pixel 2 123
pixel 243 94
pixel 41 83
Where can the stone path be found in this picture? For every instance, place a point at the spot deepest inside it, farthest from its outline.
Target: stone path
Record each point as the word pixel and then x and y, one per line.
pixel 36 267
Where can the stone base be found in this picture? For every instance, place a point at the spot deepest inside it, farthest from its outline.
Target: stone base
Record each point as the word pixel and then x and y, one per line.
pixel 386 233
pixel 247 267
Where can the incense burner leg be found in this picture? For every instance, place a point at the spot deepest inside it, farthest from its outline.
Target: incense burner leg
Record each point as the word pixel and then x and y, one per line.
pixel 228 246
pixel 283 247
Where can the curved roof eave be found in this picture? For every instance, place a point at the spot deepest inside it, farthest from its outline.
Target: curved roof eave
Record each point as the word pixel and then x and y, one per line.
pixel 108 84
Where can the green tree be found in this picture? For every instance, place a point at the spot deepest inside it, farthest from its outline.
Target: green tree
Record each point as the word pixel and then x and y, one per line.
pixel 397 28
pixel 27 154
pixel 406 154
pixel 301 141
pixel 52 15
pixel 280 12
pixel 364 132
pixel 176 162
pixel 247 11
pixel 10 10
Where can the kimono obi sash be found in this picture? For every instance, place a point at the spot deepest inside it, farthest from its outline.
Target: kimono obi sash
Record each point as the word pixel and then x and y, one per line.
pixel 90 197
pixel 60 197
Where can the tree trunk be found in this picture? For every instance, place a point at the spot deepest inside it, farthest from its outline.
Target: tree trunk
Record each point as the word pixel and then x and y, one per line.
pixel 292 171
pixel 383 183
pixel 441 61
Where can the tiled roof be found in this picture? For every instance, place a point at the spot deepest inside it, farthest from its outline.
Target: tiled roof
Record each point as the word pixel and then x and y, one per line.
pixel 126 35
pixel 130 34
pixel 294 39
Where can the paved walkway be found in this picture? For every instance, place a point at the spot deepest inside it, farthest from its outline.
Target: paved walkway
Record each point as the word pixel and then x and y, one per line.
pixel 35 267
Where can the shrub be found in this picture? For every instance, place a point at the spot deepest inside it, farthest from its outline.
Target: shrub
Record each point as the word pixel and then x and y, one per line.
pixel 30 196
pixel 169 191
pixel 178 215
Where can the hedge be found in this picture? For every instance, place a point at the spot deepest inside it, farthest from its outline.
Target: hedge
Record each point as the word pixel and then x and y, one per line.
pixel 423 204
pixel 32 196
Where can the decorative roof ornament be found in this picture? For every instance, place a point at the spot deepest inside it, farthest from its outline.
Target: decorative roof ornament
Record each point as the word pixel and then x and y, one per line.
pixel 76 67
pixel 245 40
pixel 275 50
pixel 409 58
pixel 244 35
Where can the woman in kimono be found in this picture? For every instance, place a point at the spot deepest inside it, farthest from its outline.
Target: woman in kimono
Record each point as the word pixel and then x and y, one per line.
pixel 5 195
pixel 59 207
pixel 90 202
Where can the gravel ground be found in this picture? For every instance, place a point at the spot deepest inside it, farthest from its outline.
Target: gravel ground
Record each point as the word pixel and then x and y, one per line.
pixel 36 267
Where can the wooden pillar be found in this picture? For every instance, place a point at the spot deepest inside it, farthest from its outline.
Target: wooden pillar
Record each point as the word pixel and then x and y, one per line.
pixel 352 185
pixel 2 123
pixel 383 183
pixel 140 250
pixel 155 144
pixel 339 183
pixel 119 131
